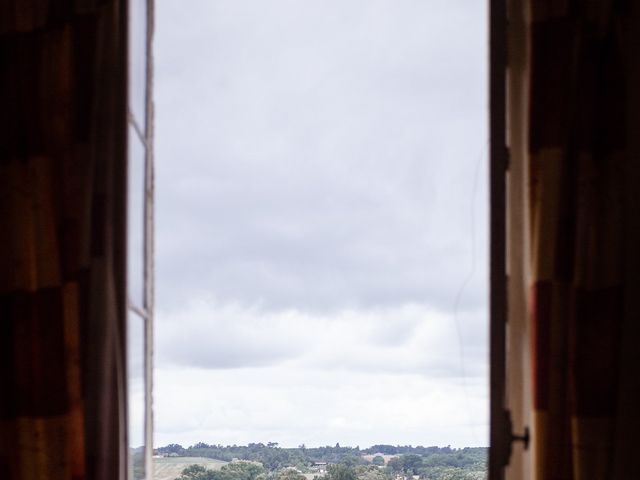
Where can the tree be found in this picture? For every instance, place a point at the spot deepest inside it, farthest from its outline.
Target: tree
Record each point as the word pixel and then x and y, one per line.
pixel 371 473
pixel 396 464
pixel 199 445
pixel 196 472
pixel 172 448
pixel 411 463
pixel 350 460
pixel 231 471
pixel 378 460
pixel 242 470
pixel 341 472
pixel 290 474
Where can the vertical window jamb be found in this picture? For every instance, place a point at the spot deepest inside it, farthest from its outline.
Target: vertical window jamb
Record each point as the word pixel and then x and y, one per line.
pixel 149 267
pixel 499 441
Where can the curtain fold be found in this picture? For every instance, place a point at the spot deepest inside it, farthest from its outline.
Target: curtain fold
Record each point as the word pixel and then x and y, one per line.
pixel 579 159
pixel 61 247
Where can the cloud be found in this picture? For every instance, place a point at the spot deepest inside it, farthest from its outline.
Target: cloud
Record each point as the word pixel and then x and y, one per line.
pixel 317 408
pixel 322 198
pixel 319 155
pixel 405 339
pixel 207 335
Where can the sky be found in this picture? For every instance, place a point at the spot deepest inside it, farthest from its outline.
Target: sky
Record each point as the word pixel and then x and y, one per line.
pixel 321 222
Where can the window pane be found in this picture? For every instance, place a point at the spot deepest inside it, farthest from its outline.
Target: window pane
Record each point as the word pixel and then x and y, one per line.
pixel 137 60
pixel 136 377
pixel 135 238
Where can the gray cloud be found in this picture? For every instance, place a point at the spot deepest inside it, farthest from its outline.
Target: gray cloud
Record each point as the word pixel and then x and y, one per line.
pixel 318 408
pixel 404 339
pixel 321 176
pixel 325 167
pixel 208 335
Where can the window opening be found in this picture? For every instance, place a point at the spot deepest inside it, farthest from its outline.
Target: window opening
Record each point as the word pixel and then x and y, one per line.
pixel 317 163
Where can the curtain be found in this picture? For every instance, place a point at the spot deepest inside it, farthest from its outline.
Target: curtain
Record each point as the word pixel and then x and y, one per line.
pixel 61 240
pixel 582 210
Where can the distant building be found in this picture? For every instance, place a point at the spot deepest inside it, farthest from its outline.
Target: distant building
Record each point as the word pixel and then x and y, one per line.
pixel 320 467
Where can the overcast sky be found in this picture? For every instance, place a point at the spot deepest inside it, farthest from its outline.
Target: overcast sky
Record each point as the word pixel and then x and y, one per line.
pixel 321 204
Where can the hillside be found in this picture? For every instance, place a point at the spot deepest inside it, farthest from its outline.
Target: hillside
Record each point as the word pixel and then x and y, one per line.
pixel 257 461
pixel 168 468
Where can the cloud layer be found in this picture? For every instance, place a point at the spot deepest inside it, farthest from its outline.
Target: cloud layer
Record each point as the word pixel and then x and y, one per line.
pixel 319 154
pixel 293 406
pixel 404 339
pixel 321 178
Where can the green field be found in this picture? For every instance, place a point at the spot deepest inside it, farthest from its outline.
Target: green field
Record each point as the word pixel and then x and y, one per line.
pixel 168 468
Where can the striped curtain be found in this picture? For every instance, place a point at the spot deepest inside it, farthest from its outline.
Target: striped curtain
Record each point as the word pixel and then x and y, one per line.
pixel 580 161
pixel 61 232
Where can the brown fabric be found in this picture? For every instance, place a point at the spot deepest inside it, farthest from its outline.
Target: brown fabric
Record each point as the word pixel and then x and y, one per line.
pixel 61 248
pixel 578 155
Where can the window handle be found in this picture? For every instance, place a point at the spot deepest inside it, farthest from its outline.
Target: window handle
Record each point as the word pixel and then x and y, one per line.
pixel 524 438
pixel 508 438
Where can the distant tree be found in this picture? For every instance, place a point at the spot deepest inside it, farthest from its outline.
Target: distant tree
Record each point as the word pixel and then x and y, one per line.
pixel 242 470
pixel 386 449
pixel 231 471
pixel 371 473
pixel 341 472
pixel 350 460
pixel 196 472
pixel 172 448
pixel 411 463
pixel 378 460
pixel 199 445
pixel 396 464
pixel 290 474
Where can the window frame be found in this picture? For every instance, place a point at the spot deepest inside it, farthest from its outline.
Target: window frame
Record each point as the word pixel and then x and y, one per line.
pixel 143 133
pixel 500 442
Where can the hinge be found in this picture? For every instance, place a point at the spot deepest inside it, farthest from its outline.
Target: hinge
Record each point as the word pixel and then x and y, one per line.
pixel 511 437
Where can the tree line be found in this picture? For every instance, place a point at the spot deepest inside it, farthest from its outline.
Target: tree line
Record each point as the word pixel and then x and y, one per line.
pixel 271 462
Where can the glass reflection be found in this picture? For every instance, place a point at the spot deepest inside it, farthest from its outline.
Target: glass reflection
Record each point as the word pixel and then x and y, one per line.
pixel 135 222
pixel 136 400
pixel 138 60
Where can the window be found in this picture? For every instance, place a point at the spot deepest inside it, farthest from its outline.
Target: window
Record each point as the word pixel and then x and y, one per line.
pixel 139 241
pixel 296 152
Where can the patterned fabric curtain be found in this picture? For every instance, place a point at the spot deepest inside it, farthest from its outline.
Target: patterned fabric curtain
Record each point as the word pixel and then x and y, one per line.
pixel 61 232
pixel 580 221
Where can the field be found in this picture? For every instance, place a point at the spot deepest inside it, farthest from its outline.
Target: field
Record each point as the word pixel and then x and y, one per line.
pixel 386 457
pixel 169 468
